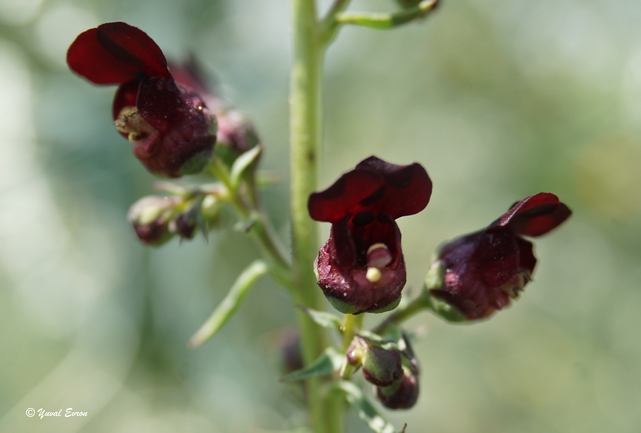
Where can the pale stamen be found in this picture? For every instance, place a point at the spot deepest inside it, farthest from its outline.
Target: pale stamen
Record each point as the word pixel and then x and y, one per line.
pixel 378 257
pixel 130 122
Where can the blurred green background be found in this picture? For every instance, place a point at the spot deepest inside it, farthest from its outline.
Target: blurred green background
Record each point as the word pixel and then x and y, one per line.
pixel 498 99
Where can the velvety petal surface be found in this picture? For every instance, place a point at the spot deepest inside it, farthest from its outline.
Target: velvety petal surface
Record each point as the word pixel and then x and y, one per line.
pixel 535 215
pixel 527 260
pixel 115 53
pixel 345 196
pixel 345 284
pixel 408 187
pixel 158 101
pixel 125 97
pixel 374 186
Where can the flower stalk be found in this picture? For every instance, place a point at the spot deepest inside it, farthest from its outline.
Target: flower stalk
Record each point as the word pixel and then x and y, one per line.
pixel 305 134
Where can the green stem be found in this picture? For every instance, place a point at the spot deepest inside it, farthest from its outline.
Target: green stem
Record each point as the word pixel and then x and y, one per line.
pixel 330 25
pixel 260 229
pixel 403 313
pixel 305 131
pixel 351 324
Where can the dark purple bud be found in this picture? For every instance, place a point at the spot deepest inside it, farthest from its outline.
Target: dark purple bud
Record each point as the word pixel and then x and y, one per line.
pixel 484 271
pixel 184 226
pixel 150 217
pixel 361 267
pixel 401 395
pixel 236 130
pixel 291 355
pixel 172 130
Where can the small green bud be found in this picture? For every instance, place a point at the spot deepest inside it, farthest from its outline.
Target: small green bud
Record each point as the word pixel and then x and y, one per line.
pixel 381 366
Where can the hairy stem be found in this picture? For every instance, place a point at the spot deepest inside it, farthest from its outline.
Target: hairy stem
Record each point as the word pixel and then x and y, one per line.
pixel 305 132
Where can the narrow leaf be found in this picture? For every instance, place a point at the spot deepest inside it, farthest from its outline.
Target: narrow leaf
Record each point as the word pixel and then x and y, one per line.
pixel 366 411
pixel 384 21
pixel 328 362
pixel 243 163
pixel 232 302
pixel 322 318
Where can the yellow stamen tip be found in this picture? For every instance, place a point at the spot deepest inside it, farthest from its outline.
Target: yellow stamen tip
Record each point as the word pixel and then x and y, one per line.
pixel 373 275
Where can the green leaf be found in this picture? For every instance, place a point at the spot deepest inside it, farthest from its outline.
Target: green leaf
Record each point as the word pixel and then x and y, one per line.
pixel 329 361
pixel 384 21
pixel 243 163
pixel 366 411
pixel 232 302
pixel 322 318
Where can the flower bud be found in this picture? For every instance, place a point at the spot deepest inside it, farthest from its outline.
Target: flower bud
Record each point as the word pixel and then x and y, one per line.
pixel 291 355
pixel 403 394
pixel 150 218
pixel 236 130
pixel 381 366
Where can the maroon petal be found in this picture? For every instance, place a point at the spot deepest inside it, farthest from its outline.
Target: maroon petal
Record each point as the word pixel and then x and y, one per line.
pixel 190 74
pixel 526 255
pixel 345 254
pixel 496 256
pixel 344 282
pixel 115 53
pixel 408 186
pixel 346 196
pixel 158 101
pixel 535 215
pixel 125 97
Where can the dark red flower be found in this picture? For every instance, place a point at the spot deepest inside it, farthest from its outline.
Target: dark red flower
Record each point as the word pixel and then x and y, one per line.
pixel 361 268
pixel 484 270
pixel 168 122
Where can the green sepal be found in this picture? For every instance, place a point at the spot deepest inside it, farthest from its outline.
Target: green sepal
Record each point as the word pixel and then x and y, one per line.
pixel 442 309
pixel 366 411
pixel 435 276
pixel 232 302
pixel 245 225
pixel 226 154
pixel 245 163
pixel 329 361
pixel 324 319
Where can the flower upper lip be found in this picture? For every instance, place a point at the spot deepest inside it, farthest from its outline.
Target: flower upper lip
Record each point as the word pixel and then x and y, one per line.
pixel 373 186
pixel 535 215
pixel 115 53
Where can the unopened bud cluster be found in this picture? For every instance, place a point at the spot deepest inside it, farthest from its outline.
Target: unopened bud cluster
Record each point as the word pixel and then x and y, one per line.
pixel 391 367
pixel 157 219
